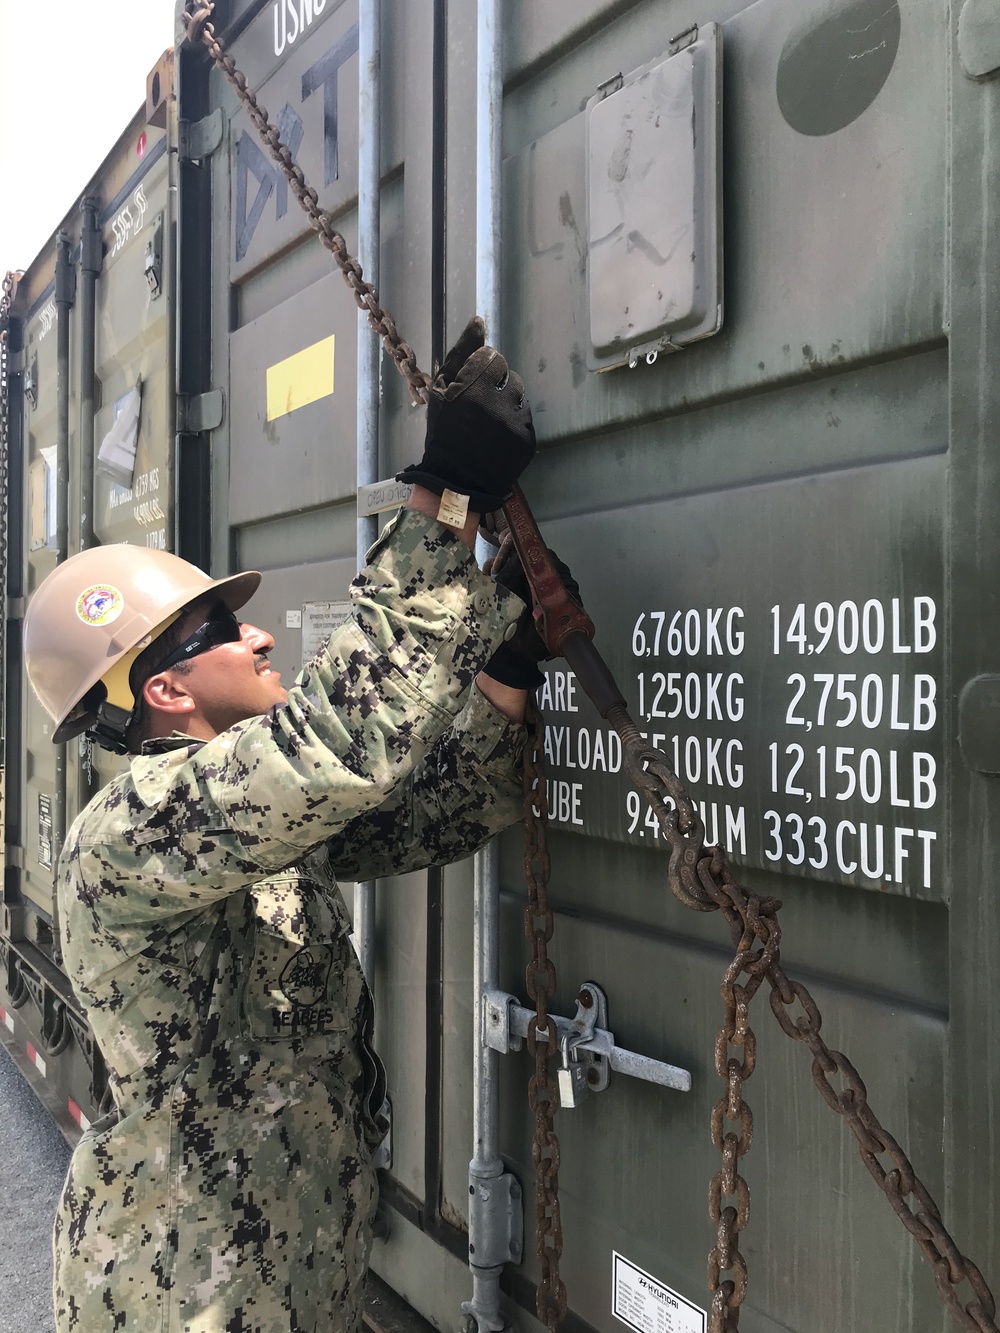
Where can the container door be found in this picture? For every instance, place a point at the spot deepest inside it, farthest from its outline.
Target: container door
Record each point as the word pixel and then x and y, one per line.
pixel 284 352
pixel 124 493
pixel 758 524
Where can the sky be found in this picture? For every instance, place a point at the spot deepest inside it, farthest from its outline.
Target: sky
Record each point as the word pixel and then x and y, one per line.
pixel 72 75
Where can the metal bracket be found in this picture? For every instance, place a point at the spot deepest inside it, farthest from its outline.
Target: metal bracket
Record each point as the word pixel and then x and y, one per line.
pixel 610 86
pixel 199 138
pixel 17 361
pixel 591 1016
pixel 84 1036
pixel 35 986
pixel 497 1033
pixel 11 917
pixel 382 1156
pixel 506 1024
pixel 16 607
pixel 683 39
pixel 153 259
pixel 31 382
pixel 496 1220
pixel 200 411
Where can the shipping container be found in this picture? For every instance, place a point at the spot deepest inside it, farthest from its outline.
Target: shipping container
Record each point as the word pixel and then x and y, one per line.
pixel 744 260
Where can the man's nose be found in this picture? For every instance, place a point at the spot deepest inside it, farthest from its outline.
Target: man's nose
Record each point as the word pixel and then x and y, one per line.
pixel 258 639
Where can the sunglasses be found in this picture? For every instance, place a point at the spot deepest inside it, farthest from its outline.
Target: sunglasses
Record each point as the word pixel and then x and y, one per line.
pixel 221 627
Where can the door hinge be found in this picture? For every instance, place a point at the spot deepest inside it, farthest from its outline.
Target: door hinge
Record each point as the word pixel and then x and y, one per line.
pixel 200 411
pixel 684 39
pixel 496 1220
pixel 16 608
pixel 199 138
pixel 610 86
pixel 17 362
pixel 30 382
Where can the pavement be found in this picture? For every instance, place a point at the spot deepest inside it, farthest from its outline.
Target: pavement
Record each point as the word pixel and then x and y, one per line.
pixel 33 1161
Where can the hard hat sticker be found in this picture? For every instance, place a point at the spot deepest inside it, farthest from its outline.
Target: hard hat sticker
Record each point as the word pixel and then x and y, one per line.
pixel 99 604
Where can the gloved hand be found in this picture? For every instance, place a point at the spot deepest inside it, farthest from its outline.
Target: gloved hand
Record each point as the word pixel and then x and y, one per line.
pixel 479 432
pixel 515 662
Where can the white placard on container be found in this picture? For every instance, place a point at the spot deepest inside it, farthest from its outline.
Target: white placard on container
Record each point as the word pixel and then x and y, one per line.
pixel 647 1306
pixel 319 620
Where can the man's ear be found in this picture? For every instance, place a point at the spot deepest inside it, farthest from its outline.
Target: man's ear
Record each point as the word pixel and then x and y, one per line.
pixel 166 693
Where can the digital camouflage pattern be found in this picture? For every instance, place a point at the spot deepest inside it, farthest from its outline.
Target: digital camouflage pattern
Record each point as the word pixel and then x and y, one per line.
pixel 232 1191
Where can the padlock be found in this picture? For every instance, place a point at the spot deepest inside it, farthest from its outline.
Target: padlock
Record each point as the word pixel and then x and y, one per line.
pixel 572 1078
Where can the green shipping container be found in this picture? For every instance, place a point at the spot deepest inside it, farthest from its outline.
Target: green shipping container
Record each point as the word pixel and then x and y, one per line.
pixel 776 488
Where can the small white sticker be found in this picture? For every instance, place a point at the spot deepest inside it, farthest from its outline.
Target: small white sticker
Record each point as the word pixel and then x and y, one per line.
pixel 647 1305
pixel 453 509
pixel 319 620
pixel 293 620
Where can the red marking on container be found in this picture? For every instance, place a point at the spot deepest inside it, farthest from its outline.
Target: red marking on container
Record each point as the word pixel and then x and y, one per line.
pixel 140 146
pixel 78 1115
pixel 6 1019
pixel 35 1058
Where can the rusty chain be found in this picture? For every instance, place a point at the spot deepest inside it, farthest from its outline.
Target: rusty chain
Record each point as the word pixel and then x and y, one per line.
pixel 540 979
pixel 6 301
pixel 700 879
pixel 197 21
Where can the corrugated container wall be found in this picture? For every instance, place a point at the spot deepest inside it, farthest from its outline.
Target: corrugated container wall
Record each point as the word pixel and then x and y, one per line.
pixel 95 331
pixel 785 534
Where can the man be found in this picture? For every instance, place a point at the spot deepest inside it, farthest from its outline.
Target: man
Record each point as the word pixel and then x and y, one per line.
pixel 232 1190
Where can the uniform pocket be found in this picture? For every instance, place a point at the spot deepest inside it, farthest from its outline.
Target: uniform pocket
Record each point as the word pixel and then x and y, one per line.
pixel 299 981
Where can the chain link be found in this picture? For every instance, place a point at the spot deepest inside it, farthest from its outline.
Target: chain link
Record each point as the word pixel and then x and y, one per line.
pixel 197 20
pixel 540 979
pixel 541 973
pixel 6 301
pixel 699 878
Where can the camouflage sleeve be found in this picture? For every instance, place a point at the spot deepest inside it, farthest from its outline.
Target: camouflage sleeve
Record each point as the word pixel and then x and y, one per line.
pixel 467 788
pixel 358 721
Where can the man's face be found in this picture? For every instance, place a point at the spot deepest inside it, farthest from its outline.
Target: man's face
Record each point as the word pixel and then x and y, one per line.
pixel 232 681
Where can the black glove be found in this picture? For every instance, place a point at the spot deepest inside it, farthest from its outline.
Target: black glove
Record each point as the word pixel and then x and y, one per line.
pixel 515 662
pixel 479 433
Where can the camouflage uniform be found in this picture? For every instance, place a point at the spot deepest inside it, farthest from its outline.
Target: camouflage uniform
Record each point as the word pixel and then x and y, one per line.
pixel 232 1191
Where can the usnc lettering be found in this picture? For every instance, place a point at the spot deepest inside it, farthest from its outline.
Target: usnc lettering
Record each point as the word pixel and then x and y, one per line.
pixel 293 20
pixel 251 161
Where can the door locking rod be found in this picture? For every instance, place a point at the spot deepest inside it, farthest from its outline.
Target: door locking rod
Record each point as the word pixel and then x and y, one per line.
pixel 506 1024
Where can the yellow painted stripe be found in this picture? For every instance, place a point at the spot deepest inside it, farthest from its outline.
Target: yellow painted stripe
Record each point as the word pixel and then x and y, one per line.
pixel 303 378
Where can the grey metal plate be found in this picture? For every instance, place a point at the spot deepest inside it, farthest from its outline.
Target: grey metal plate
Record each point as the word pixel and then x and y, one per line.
pixel 306 457
pixel 654 242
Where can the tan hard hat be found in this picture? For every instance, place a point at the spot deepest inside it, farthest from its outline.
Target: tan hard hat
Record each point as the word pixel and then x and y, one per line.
pixel 99 605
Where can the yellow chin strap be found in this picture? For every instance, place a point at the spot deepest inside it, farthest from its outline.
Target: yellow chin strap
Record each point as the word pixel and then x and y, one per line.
pixel 115 681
